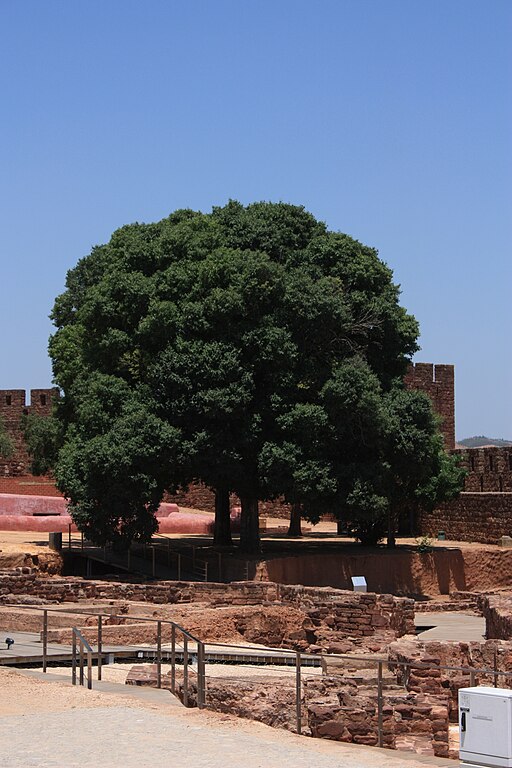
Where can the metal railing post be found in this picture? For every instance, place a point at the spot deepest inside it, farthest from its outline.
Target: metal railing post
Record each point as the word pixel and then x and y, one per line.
pixel 298 703
pixel 179 566
pixel 153 562
pixel 173 658
pixel 69 535
pixel 128 558
pixel 81 657
pixel 89 670
pixel 82 541
pixel 73 660
pixel 380 706
pixel 206 571
pixel 168 553
pixel 219 557
pixel 472 678
pixel 100 643
pixel 159 654
pixel 185 670
pixel 201 677
pixel 193 557
pixel 45 639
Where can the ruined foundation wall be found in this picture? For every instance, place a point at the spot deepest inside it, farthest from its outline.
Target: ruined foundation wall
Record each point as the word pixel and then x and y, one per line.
pixel 357 614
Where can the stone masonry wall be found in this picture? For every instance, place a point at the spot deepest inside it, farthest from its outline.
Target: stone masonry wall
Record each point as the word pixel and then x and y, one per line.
pixel 497 611
pixel 330 611
pixel 489 469
pixel 13 407
pixel 198 496
pixel 481 517
pixel 438 381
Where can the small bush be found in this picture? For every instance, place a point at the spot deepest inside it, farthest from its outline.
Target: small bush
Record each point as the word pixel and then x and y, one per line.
pixel 424 544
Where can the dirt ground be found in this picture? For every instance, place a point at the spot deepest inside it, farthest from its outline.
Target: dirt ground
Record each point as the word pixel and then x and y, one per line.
pixel 17 542
pixel 450 566
pixel 24 695
pixel 81 727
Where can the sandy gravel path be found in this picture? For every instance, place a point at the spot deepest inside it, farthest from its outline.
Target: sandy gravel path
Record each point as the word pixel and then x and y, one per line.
pixel 51 725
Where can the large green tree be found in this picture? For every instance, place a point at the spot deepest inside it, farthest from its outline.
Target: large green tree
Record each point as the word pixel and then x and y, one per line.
pixel 249 348
pixel 43 438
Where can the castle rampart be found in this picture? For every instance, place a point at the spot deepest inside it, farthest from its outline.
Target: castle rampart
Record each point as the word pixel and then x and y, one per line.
pixel 13 407
pixel 438 381
pixel 489 469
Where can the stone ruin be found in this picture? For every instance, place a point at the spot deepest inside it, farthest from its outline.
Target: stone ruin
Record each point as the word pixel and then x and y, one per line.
pixel 351 631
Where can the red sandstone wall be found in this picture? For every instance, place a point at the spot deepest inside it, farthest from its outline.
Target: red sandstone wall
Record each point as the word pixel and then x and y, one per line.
pixel 352 613
pixel 28 485
pixel 13 407
pixel 438 381
pixel 198 496
pixel 482 517
pixel 489 469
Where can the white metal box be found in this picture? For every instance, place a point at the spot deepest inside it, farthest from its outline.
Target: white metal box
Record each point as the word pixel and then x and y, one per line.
pixel 359 584
pixel 485 725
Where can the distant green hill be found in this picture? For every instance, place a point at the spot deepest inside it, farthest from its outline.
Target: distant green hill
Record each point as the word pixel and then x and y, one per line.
pixel 480 441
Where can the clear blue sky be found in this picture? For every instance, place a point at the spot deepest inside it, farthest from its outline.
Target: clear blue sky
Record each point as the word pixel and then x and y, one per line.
pixel 391 120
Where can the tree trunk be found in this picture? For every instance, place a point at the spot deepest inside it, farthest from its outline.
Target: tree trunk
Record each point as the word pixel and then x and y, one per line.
pixel 295 515
pixel 222 530
pixel 391 543
pixel 249 525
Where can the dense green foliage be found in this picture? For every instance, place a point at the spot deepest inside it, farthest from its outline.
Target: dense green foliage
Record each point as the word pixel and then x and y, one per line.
pixel 249 348
pixel 43 438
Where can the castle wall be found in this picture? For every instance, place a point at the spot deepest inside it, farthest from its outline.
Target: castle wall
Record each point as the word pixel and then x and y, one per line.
pixel 481 517
pixel 13 406
pixel 489 469
pixel 438 381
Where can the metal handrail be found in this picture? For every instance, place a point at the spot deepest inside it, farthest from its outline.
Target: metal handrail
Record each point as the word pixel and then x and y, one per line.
pixel 76 634
pixel 199 567
pixel 83 645
pixel 299 656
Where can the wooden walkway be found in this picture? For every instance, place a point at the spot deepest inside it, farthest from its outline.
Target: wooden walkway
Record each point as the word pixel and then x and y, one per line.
pixel 27 649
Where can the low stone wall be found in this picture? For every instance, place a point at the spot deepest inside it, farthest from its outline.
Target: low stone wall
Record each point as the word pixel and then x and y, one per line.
pixel 480 517
pixel 497 611
pixel 359 614
pixel 342 710
pixel 328 615
pixel 468 602
pixel 198 496
pixel 429 679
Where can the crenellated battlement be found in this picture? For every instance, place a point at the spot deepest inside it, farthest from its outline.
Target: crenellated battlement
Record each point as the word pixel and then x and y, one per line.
pixel 14 404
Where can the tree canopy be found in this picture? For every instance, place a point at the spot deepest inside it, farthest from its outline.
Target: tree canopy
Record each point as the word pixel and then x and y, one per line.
pixel 250 348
